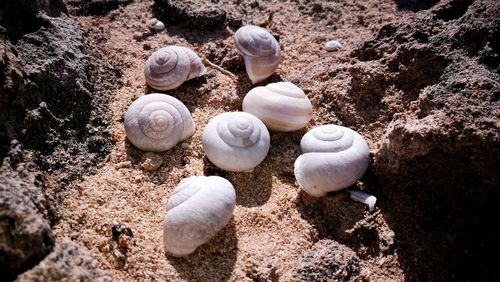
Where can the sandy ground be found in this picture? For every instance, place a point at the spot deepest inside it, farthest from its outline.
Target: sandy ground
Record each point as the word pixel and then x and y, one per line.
pixel 268 232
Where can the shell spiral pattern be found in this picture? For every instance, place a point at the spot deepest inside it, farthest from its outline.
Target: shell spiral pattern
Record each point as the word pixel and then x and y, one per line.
pixel 282 106
pixel 333 158
pixel 260 50
pixel 197 209
pixel 236 141
pixel 170 66
pixel 157 122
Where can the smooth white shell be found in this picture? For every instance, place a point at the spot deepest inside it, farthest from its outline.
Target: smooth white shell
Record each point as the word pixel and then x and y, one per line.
pixel 236 141
pixel 155 24
pixel 260 50
pixel 333 158
pixel 197 209
pixel 282 106
pixel 170 66
pixel 333 45
pixel 156 122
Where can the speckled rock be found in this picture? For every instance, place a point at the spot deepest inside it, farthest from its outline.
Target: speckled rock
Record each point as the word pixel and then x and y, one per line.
pixel 439 156
pixel 95 7
pixel 52 119
pixel 68 262
pixel 415 5
pixel 25 235
pixel 19 17
pixel 48 105
pixel 190 14
pixel 327 260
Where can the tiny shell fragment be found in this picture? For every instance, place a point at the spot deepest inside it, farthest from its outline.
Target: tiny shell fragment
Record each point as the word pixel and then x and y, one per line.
pixel 333 45
pixel 155 24
pixel 364 198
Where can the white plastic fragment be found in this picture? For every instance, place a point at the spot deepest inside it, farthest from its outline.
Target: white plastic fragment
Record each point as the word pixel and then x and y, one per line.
pixel 333 45
pixel 364 198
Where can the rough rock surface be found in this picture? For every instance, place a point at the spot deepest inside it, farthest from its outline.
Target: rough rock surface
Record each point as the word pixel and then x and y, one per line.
pixel 21 17
pixel 438 161
pixel 48 105
pixel 203 14
pixel 68 262
pixel 25 235
pixel 52 119
pixel 426 91
pixel 94 7
pixel 327 260
pixel 415 5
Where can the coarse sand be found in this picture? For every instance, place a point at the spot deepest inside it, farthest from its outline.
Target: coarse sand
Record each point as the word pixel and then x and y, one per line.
pixel 269 231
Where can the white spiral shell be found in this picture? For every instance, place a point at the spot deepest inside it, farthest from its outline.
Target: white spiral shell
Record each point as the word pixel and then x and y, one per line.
pixel 333 158
pixel 197 209
pixel 236 141
pixel 156 122
pixel 260 50
pixel 170 66
pixel 282 106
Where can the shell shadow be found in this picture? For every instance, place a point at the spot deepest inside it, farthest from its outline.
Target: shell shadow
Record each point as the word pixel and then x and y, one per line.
pixel 339 218
pixel 285 149
pixel 245 84
pixel 443 212
pixel 252 188
pixel 172 158
pixel 195 36
pixel 133 153
pixel 195 92
pixel 185 92
pixel 213 261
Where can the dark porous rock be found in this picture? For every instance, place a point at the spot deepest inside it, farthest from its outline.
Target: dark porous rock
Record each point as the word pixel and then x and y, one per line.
pixel 11 75
pixel 264 268
pixel 190 14
pixel 53 118
pixel 25 235
pixel 21 16
pixel 48 106
pixel 68 262
pixel 327 260
pixel 95 7
pixel 319 9
pixel 438 160
pixel 415 5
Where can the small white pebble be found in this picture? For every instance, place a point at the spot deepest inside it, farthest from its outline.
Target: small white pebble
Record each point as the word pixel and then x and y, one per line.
pixel 155 24
pixel 333 45
pixel 364 198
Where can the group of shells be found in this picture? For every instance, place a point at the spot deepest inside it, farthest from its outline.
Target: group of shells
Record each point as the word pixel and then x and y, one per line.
pixel 333 157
